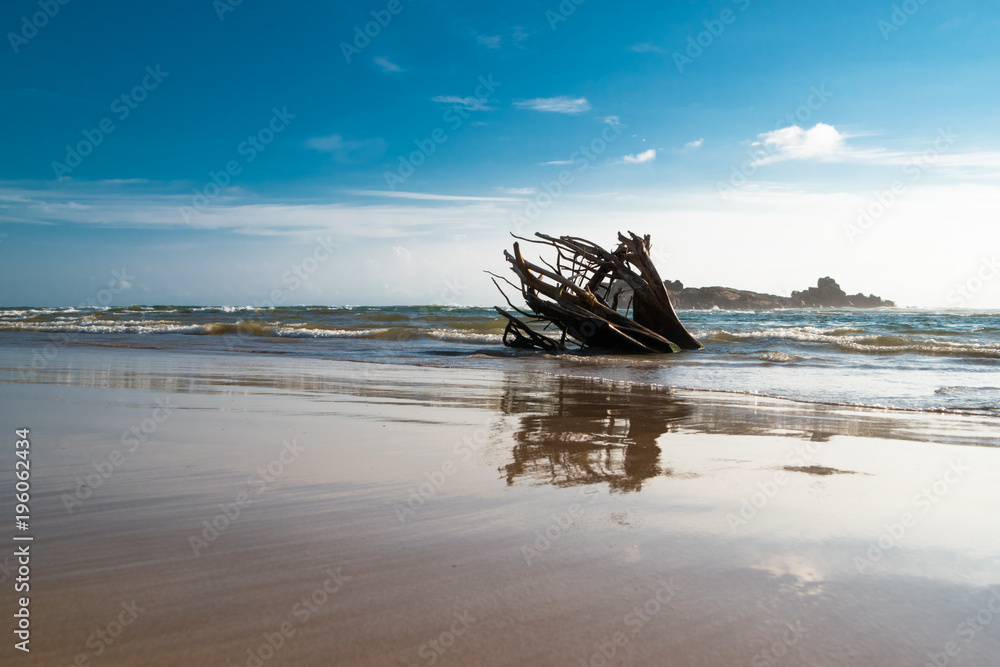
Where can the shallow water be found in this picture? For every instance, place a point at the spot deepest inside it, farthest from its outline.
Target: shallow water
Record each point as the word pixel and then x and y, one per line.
pixel 889 358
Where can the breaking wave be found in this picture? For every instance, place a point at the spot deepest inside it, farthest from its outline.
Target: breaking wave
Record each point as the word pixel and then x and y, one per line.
pixel 887 358
pixel 854 340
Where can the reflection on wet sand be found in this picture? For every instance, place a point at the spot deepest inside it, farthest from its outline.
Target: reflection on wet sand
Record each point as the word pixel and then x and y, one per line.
pixel 594 426
pixel 570 433
pixel 575 430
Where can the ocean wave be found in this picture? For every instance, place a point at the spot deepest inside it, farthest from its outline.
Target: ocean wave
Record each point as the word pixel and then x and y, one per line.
pixel 772 338
pixel 392 333
pixel 962 390
pixel 458 336
pixel 295 332
pixel 99 323
pixel 241 328
pixel 779 357
pixel 861 342
pixel 117 328
pixel 229 309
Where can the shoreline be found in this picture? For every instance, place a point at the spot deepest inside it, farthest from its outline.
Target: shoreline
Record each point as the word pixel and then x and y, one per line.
pixel 900 360
pixel 39 340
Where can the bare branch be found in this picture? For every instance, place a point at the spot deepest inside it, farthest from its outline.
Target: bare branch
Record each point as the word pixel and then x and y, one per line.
pixel 577 290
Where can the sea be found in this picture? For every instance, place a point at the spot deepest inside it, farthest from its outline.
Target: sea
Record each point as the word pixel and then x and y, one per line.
pixel 898 359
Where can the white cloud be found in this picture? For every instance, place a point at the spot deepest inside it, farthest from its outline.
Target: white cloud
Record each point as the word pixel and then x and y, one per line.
pixel 387 65
pixel 70 205
pixel 827 144
pixel 519 34
pixel 423 195
pixel 695 144
pixel 611 120
pixel 404 255
pixel 640 158
pixel 348 152
pixel 645 47
pixel 556 162
pixel 519 191
pixel 489 41
pixel 561 104
pixel 821 142
pixel 467 103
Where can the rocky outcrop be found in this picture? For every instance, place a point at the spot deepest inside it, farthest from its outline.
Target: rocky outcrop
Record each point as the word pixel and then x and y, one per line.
pixel 826 294
pixel 704 298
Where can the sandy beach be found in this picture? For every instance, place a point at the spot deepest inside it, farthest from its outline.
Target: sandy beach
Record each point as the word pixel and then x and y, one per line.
pixel 207 509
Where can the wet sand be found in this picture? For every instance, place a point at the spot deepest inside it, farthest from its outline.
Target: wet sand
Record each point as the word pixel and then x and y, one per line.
pixel 202 509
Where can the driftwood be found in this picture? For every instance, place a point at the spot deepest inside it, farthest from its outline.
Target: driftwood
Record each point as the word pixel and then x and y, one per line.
pixel 583 293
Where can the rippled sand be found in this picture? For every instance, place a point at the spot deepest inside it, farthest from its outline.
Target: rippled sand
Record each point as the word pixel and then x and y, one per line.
pixel 196 509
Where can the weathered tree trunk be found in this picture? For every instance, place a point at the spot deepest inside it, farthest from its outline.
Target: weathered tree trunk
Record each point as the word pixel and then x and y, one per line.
pixel 580 295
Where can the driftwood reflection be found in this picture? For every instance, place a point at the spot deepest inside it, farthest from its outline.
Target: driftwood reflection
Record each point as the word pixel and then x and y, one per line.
pixel 580 431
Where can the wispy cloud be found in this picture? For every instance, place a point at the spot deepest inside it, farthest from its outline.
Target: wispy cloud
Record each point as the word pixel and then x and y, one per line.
pixel 556 162
pixel 561 104
pixel 611 120
pixel 694 144
pixel 640 158
pixel 519 34
pixel 645 47
pixel 427 196
pixel 519 191
pixel 467 103
pixel 387 65
pixel 989 161
pixel 387 215
pixel 489 41
pixel 348 152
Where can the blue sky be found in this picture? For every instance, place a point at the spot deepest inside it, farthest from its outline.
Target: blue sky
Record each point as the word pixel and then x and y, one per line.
pixel 212 151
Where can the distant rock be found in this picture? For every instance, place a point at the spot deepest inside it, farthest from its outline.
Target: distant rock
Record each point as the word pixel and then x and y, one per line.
pixel 826 294
pixel 704 298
